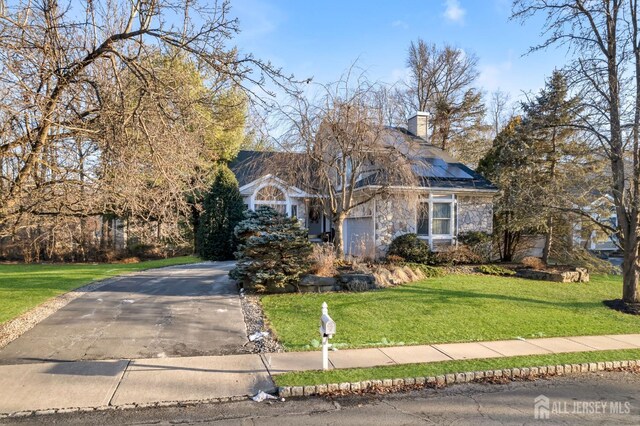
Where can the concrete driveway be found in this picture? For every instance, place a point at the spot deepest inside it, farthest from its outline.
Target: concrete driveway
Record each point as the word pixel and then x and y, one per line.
pixel 188 310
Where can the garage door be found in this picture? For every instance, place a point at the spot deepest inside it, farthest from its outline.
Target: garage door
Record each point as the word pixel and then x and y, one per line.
pixel 358 237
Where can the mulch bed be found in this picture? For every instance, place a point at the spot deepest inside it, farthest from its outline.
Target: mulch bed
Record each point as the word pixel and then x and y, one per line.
pixel 255 321
pixel 619 305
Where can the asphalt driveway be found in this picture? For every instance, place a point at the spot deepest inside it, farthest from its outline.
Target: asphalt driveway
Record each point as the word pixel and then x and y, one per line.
pixel 187 310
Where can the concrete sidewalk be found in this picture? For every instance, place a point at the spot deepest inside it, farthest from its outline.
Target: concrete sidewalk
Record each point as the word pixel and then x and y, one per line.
pixel 102 384
pixel 278 363
pixel 86 384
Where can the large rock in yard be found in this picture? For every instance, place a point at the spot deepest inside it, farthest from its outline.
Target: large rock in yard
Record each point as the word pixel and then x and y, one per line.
pixel 353 281
pixel 317 284
pixel 580 275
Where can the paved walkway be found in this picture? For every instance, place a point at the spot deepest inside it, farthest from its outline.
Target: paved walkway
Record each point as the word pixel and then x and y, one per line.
pixel 185 310
pixel 82 384
pixel 278 363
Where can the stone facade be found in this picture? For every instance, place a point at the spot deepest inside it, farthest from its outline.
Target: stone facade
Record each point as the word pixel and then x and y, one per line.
pixel 475 214
pixel 395 216
pixel 302 210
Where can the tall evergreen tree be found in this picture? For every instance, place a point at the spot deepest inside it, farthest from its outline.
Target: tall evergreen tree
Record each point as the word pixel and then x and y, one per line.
pixel 223 210
pixel 558 156
pixel 508 165
pixel 542 167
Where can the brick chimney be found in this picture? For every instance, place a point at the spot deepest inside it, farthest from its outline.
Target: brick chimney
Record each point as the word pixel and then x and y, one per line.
pixel 418 124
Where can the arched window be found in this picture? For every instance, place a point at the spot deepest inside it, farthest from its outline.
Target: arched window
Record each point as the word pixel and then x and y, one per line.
pixel 270 193
pixel 271 196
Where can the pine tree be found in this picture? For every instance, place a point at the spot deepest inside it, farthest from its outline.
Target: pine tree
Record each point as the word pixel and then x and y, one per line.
pixel 273 252
pixel 508 165
pixel 549 126
pixel 223 210
pixel 541 166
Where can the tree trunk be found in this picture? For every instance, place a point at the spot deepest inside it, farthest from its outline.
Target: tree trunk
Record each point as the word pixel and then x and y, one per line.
pixel 338 224
pixel 630 271
pixel 103 233
pixel 507 255
pixel 548 239
pixel 195 221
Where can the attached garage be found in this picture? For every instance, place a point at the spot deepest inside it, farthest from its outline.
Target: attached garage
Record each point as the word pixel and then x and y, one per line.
pixel 358 237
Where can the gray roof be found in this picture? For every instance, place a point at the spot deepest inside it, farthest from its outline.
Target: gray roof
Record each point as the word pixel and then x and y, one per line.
pixel 251 165
pixel 434 168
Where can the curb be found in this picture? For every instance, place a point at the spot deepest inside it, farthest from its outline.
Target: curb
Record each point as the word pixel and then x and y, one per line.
pixel 453 378
pixel 160 404
pixel 388 385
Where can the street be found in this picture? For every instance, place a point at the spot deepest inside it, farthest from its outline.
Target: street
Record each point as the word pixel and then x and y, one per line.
pixel 595 398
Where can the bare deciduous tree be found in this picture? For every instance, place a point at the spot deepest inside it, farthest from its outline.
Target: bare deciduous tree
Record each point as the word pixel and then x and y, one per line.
pixel 499 111
pixel 442 84
pixel 603 38
pixel 103 109
pixel 349 155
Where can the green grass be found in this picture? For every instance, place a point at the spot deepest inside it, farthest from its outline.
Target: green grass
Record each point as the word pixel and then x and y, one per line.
pixel 453 308
pixel 308 378
pixel 23 287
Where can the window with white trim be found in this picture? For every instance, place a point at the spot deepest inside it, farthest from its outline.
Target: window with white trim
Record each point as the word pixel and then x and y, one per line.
pixel 441 222
pixel 435 217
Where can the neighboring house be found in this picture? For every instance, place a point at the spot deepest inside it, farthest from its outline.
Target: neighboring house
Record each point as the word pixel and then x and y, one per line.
pixel 450 198
pixel 603 210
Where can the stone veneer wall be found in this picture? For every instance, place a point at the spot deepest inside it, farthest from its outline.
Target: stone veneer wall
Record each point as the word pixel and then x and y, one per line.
pixel 302 210
pixel 395 215
pixel 475 214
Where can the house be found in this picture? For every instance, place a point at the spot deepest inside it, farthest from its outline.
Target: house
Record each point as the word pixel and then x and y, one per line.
pixel 602 209
pixel 448 199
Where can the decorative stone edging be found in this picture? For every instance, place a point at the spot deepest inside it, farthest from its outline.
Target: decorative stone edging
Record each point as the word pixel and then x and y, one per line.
pixel 390 385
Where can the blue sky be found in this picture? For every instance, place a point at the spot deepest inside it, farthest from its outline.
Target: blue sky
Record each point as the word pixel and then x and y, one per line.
pixel 321 39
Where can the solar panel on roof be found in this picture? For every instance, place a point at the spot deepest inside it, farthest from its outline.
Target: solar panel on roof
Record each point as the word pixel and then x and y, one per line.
pixel 438 168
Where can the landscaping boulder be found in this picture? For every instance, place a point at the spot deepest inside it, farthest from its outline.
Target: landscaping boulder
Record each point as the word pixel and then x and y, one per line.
pixel 317 284
pixel 348 281
pixel 560 276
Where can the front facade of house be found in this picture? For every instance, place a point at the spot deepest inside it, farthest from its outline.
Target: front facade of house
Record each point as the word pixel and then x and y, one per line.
pixel 450 200
pixel 438 217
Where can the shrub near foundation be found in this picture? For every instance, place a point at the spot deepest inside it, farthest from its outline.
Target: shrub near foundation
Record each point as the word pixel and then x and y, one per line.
pixel 411 249
pixel 323 260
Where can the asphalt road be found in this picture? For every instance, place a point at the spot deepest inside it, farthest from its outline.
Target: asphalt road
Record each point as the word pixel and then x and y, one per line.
pixel 604 398
pixel 187 310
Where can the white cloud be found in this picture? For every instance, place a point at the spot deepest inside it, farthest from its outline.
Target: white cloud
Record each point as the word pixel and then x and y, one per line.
pixel 495 76
pixel 454 12
pixel 257 18
pixel 399 75
pixel 398 23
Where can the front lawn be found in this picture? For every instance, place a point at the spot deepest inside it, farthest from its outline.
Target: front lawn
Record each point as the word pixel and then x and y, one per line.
pixel 454 308
pixel 23 287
